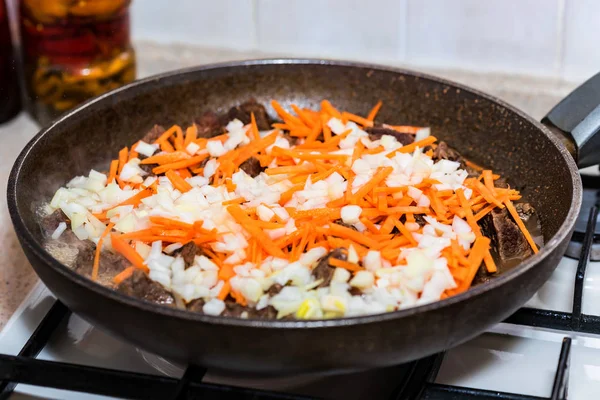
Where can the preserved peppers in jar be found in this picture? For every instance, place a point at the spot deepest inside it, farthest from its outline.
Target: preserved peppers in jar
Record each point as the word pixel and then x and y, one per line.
pixel 74 50
pixel 10 95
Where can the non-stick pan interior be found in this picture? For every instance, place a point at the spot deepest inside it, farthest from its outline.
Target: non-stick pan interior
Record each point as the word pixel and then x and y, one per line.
pixel 483 130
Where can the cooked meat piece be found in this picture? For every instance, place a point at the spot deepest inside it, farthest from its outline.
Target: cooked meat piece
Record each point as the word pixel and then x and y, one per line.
pixel 208 125
pixel 506 236
pixel 244 111
pixel 294 140
pixel 110 263
pixel 189 251
pixel 376 132
pixel 274 289
pixel 148 168
pixel 354 291
pixel 139 285
pixel 153 134
pixel 324 271
pixel 252 167
pixel 196 305
pixel 420 219
pixel 342 223
pixel 501 183
pixel 50 222
pixel 269 312
pixel 233 309
pixel 525 211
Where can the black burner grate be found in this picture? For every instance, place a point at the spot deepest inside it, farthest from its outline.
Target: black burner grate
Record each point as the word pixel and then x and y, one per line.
pixel 416 383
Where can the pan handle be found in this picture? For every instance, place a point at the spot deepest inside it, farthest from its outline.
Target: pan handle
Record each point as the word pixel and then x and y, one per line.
pixel 576 120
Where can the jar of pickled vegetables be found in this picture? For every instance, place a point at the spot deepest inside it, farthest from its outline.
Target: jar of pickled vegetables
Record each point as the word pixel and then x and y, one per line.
pixel 73 50
pixel 10 95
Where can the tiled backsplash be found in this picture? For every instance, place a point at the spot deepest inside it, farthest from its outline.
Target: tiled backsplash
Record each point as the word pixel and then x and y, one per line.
pixel 549 38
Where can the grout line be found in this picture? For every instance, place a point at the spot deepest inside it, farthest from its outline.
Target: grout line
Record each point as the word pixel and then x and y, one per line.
pixel 561 39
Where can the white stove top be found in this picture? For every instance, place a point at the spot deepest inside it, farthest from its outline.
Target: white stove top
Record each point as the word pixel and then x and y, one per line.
pixel 508 358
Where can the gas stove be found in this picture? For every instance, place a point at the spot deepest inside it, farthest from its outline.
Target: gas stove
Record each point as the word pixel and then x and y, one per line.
pixel 550 349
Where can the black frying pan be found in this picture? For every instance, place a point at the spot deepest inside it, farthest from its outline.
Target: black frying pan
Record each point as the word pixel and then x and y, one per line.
pixel 484 129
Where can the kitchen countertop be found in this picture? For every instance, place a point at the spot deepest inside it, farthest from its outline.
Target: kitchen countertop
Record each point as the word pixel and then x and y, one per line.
pixel 533 95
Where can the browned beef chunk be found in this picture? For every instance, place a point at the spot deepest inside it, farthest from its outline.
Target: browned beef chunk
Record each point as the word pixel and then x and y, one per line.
pixel 196 305
pixel 252 167
pixel 325 271
pixel 420 219
pixel 148 168
pixel 208 125
pixel 269 312
pixel 274 289
pixel 342 223
pixel 354 291
pixel 506 236
pixel 244 111
pixel 110 263
pixel 376 132
pixel 525 210
pixel 189 251
pixel 51 222
pixel 139 285
pixel 153 134
pixel 293 140
pixel 233 309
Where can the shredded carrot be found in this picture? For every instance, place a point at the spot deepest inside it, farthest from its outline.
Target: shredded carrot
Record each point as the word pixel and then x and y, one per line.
pixel 112 173
pixel 166 158
pixel 121 276
pixel 224 292
pixel 122 159
pixel 180 164
pixel 336 262
pixel 413 146
pixel 513 212
pixel 178 182
pixel 358 119
pixel 96 265
pixel 123 248
pixel 374 111
pixel 266 243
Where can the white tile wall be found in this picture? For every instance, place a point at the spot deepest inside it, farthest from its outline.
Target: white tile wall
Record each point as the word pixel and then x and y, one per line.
pixel 370 30
pixel 500 35
pixel 582 38
pixel 221 23
pixel 555 38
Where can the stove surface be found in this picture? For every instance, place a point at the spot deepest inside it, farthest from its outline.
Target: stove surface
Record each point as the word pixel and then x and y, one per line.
pixel 509 358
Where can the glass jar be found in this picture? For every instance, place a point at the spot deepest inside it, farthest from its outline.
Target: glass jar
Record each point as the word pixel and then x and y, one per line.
pixel 73 50
pixel 10 95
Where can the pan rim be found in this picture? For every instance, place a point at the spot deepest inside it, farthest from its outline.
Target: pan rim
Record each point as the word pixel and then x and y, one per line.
pixel 28 239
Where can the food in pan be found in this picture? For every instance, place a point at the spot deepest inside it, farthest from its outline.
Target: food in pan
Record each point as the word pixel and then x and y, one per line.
pixel 319 214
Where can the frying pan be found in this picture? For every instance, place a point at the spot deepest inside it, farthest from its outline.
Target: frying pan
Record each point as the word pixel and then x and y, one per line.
pixel 485 129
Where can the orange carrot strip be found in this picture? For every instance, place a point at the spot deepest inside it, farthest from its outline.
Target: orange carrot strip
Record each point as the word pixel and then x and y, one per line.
pixel 171 223
pixel 490 265
pixel 96 265
pixel 237 200
pixel 336 262
pixel 329 109
pixel 190 135
pixel 487 195
pixel 123 248
pixel 404 128
pixel 379 177
pixel 121 276
pixel 253 127
pixel 405 232
pixel 413 146
pixel 167 134
pixel 122 159
pixel 178 182
pixel 302 168
pixel 224 292
pixel 133 154
pixel 180 164
pixel 287 117
pixel 374 111
pixel 112 173
pixel 358 119
pixel 488 180
pixel 342 231
pixel 511 209
pixel 166 158
pixel 248 224
pixel 484 212
pixel 468 213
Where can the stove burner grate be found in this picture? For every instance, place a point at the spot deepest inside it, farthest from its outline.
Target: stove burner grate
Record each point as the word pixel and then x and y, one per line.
pixel 416 380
